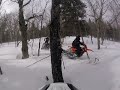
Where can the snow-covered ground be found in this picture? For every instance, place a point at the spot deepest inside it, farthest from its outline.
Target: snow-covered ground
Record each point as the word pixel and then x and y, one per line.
pixel 105 75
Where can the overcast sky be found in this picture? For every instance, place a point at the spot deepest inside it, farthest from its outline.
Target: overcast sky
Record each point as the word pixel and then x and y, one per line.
pixel 9 7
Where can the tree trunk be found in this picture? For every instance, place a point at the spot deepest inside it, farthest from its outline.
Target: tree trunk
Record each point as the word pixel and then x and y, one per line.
pixel 1 71
pixel 23 29
pixel 98 38
pixel 102 37
pixel 24 45
pixel 98 32
pixel 40 36
pixel 39 46
pixel 55 46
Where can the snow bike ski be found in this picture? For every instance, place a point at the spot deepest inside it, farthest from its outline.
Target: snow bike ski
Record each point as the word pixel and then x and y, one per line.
pixel 71 52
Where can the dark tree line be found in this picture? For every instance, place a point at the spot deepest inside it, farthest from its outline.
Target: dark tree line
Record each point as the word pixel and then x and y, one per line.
pixel 9 30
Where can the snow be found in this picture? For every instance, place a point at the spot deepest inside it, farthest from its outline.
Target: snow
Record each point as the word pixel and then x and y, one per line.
pixel 105 75
pixel 58 86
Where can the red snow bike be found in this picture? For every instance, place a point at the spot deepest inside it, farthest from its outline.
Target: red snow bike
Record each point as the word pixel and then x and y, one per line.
pixel 71 52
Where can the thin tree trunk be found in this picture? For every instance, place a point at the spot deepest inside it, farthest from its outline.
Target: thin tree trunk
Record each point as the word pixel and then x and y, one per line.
pixel 40 37
pixel 1 71
pixel 102 38
pixel 98 38
pixel 39 46
pixel 98 33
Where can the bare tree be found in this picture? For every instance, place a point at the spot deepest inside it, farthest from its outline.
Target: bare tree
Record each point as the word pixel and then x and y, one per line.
pixel 23 26
pixel 98 9
pixel 41 25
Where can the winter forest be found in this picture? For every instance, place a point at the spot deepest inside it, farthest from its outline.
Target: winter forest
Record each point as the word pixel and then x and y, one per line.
pixel 59 45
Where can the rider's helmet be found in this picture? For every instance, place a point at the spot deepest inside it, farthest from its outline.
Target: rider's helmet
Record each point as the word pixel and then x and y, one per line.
pixel 78 37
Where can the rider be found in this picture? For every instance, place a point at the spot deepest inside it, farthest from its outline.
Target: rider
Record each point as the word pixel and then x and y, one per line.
pixel 46 40
pixel 76 44
pixel 46 44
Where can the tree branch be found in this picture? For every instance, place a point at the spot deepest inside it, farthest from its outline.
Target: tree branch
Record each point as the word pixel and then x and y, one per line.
pixel 34 16
pixel 27 3
pixel 14 1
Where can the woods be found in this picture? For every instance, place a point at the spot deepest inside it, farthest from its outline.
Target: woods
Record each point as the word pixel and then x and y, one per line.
pixel 10 25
